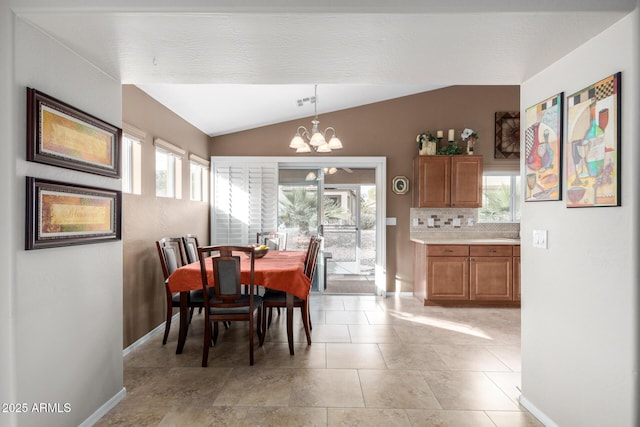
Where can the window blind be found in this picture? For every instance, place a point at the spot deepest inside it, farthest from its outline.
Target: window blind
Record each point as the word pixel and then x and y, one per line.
pixel 244 201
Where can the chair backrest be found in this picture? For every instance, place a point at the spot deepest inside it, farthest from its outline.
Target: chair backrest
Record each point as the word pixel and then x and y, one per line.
pixel 171 253
pixel 308 254
pixel 227 286
pixel 275 240
pixel 191 247
pixel 310 268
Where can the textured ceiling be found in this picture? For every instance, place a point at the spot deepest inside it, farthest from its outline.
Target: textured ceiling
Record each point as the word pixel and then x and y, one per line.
pixel 240 65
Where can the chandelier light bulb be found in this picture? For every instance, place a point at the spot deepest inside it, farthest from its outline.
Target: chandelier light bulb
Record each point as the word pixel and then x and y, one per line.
pixel 335 143
pixel 304 149
pixel 297 142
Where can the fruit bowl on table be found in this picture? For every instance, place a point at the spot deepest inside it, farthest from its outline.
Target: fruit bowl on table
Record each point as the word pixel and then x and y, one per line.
pixel 260 251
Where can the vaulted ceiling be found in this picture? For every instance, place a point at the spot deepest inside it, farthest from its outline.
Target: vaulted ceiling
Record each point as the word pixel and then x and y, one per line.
pixel 239 65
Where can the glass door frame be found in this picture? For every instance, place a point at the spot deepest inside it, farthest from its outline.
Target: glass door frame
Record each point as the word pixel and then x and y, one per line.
pixel 379 164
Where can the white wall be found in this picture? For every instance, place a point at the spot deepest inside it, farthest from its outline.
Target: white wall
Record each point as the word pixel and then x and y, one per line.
pixel 63 319
pixel 580 297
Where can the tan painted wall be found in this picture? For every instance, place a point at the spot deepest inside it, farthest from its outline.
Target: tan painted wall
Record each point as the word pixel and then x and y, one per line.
pixel 147 218
pixel 389 129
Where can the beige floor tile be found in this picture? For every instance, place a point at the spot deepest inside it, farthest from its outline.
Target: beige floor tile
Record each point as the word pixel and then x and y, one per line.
pixel 469 358
pixel 396 389
pixel 368 417
pixel 354 356
pixel 338 388
pixel 312 356
pixel 411 356
pixel 468 390
pixel 256 387
pixel 448 418
pixel 508 354
pixel 513 419
pixel 373 334
pixel 346 318
pixel 509 383
pixel 373 361
pixel 330 333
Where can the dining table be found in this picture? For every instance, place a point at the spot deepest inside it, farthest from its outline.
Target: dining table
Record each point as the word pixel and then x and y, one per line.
pixel 278 270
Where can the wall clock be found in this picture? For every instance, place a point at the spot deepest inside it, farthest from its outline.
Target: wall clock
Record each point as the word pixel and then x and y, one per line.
pixel 400 185
pixel 507 144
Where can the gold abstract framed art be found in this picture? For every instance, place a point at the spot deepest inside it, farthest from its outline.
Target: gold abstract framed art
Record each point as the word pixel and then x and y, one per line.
pixel 61 135
pixel 61 214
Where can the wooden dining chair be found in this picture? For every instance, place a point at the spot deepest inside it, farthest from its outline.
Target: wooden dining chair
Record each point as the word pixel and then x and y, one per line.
pixel 276 240
pixel 226 301
pixel 172 256
pixel 191 247
pixel 278 299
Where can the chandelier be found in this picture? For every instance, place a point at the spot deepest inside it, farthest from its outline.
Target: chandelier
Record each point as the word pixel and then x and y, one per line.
pixel 316 140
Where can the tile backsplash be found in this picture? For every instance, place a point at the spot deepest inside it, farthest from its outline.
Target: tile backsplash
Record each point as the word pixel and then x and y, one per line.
pixel 449 221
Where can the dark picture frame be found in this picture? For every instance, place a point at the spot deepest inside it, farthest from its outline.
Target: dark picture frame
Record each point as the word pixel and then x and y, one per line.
pixel 61 214
pixel 592 173
pixel 543 150
pixel 507 135
pixel 400 185
pixel 61 135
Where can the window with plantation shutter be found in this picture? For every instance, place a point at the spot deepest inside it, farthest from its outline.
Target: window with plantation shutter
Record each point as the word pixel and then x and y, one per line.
pixel 244 200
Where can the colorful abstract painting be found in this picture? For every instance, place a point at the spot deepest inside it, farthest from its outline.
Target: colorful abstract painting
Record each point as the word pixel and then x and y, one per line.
pixel 543 150
pixel 593 145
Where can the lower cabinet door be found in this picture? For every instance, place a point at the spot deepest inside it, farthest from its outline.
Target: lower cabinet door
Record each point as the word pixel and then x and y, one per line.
pixel 491 278
pixel 448 278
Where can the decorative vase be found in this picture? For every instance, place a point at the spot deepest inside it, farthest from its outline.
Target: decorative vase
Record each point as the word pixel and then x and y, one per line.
pixel 423 150
pixel 471 142
pixel 431 148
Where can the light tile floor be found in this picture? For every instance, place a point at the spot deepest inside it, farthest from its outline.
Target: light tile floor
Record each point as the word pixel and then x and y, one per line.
pixel 374 361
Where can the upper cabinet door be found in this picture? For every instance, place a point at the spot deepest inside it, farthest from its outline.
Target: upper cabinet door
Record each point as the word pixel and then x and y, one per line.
pixel 466 181
pixel 432 182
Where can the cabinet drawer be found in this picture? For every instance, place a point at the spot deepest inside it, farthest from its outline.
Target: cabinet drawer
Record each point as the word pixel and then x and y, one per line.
pixel 447 250
pixel 490 250
pixel 516 250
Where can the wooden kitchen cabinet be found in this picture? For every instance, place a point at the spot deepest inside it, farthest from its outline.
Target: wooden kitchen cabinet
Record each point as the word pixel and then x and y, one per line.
pixel 468 274
pixel 491 273
pixel 448 273
pixel 447 181
pixel 516 273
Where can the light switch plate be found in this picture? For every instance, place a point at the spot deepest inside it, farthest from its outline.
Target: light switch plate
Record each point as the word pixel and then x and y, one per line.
pixel 540 239
pixel 391 220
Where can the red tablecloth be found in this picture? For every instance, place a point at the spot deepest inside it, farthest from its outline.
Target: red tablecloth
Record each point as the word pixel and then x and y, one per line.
pixel 280 270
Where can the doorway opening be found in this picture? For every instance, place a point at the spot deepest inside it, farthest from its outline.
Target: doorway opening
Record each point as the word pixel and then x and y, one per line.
pixel 339 204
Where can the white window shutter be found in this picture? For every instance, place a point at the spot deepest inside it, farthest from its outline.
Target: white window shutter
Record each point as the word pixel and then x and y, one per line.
pixel 244 201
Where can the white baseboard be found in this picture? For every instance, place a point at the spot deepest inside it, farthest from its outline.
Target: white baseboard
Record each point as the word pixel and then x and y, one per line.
pixel 541 416
pixel 102 411
pixel 158 329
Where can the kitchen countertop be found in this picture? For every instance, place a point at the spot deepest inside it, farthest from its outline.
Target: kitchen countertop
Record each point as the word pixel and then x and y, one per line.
pixel 465 241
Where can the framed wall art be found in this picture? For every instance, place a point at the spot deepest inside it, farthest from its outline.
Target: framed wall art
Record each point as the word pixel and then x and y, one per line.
pixel 60 214
pixel 400 184
pixel 543 150
pixel 61 135
pixel 593 145
pixel 507 131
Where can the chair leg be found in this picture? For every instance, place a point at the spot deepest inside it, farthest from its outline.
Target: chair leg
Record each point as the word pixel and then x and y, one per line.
pixel 251 332
pixel 191 314
pixel 167 325
pixel 271 316
pixel 206 343
pixel 263 325
pixel 306 321
pixel 215 332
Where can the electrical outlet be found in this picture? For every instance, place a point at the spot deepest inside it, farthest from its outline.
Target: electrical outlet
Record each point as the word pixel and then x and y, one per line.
pixel 416 222
pixel 540 239
pixel 457 222
pixel 431 222
pixel 470 222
